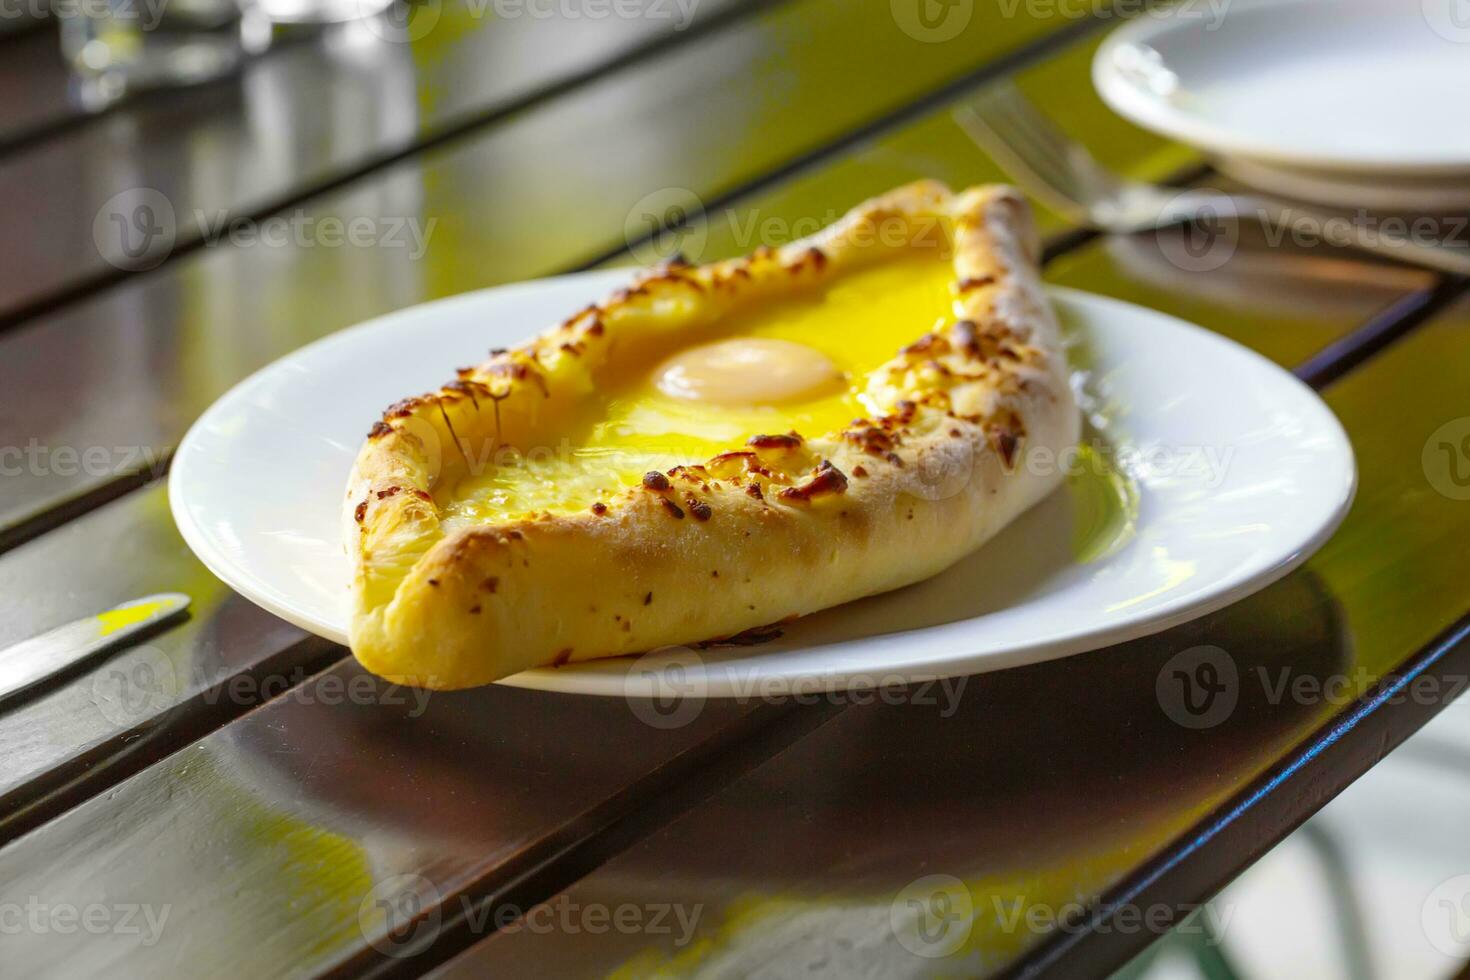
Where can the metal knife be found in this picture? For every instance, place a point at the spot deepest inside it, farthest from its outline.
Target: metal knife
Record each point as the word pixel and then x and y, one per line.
pixel 30 662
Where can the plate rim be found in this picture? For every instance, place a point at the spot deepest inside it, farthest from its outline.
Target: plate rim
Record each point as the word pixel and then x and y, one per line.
pixel 1160 117
pixel 188 528
pixel 936 664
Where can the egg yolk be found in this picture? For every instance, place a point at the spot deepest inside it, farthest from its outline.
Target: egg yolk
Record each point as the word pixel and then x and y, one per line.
pixel 799 363
pixel 748 371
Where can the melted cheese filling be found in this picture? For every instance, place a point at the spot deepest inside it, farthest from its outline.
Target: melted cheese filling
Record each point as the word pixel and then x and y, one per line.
pixel 800 363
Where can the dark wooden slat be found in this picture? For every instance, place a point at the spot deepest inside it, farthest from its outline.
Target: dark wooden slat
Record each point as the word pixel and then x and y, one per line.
pixel 1395 570
pixel 196 827
pixel 302 816
pixel 1291 304
pixel 118 715
pixel 191 819
pixel 34 79
pixel 1040 787
pixel 55 772
pixel 1391 325
pixel 1033 787
pixel 521 199
pixel 252 144
pixel 929 145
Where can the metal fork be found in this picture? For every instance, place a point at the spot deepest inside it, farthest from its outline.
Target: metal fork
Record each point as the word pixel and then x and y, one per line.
pixel 1061 173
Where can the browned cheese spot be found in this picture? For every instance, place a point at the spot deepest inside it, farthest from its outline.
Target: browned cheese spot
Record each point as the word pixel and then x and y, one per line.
pixel 789 440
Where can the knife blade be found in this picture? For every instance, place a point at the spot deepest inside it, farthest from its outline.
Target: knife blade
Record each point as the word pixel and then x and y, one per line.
pixel 30 662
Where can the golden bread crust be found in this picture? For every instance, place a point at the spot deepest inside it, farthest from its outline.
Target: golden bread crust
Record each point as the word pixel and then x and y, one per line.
pixel 778 528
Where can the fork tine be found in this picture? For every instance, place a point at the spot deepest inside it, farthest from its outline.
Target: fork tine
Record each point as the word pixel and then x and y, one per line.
pixel 1096 180
pixel 998 107
pixel 1046 133
pixel 1035 150
pixel 1044 177
pixel 1053 167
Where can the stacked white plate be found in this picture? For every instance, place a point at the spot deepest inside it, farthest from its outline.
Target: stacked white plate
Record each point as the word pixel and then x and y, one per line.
pixel 1356 103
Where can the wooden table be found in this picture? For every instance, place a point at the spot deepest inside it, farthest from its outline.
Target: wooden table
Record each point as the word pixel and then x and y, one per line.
pixel 341 828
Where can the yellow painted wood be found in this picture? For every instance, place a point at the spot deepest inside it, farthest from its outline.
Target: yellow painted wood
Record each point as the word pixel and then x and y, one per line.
pixel 935 147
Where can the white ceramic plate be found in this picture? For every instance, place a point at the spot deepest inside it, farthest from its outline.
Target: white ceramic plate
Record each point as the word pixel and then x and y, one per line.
pixel 1357 102
pixel 1240 472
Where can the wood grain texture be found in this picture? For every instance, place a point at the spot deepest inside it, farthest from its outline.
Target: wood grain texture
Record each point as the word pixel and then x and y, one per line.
pixel 801 865
pixel 524 198
pixel 141 519
pixel 244 145
pixel 159 373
